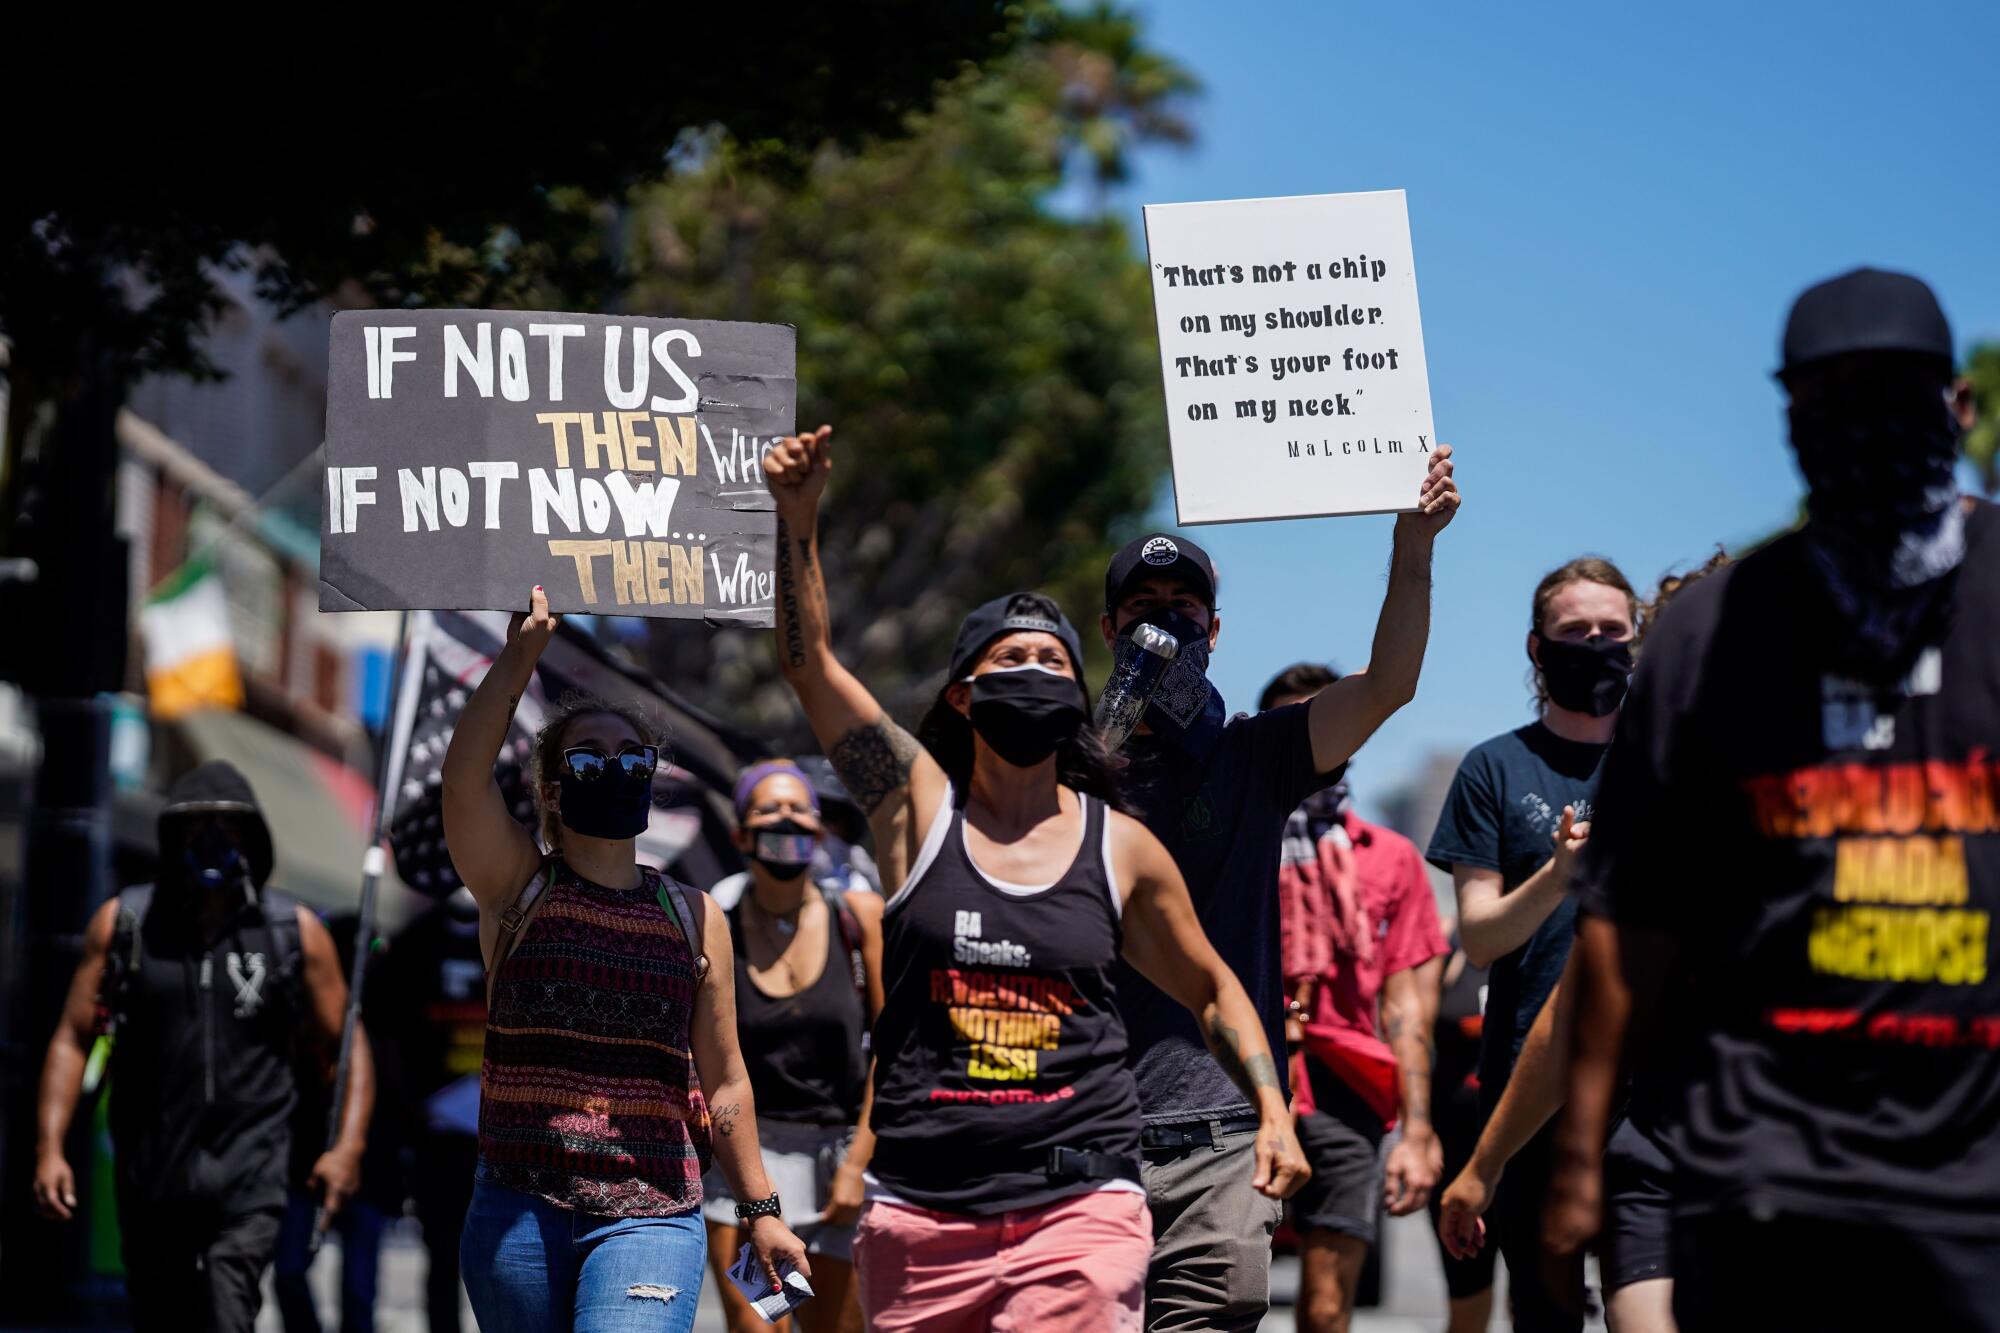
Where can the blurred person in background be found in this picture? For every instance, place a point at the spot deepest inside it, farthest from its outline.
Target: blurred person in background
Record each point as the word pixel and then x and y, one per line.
pixel 1005 1183
pixel 1360 931
pixel 808 986
pixel 1216 790
pixel 1468 1278
pixel 1635 1249
pixel 1827 713
pixel 842 856
pixel 605 1091
pixel 212 983
pixel 1517 813
pixel 433 979
pixel 360 1223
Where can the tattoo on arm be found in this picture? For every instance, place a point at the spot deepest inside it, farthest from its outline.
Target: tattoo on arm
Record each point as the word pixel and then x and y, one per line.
pixel 788 600
pixel 1257 1072
pixel 1416 1057
pixel 724 1119
pixel 874 760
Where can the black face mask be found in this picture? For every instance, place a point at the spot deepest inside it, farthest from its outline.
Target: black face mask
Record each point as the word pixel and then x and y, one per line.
pixel 1025 713
pixel 1590 676
pixel 613 805
pixel 784 848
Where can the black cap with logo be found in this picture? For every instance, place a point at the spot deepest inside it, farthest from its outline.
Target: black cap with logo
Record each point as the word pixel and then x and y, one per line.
pixel 1010 615
pixel 1156 555
pixel 1868 310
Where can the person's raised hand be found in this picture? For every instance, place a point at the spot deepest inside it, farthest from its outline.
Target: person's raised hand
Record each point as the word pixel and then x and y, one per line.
pixel 1569 837
pixel 1461 1229
pixel 533 628
pixel 55 1187
pixel 1282 1170
pixel 796 469
pixel 1437 498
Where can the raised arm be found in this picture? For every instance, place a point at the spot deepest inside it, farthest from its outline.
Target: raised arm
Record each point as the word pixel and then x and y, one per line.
pixel 1165 943
pixel 62 1069
pixel 1347 712
pixel 891 777
pixel 493 854
pixel 1491 923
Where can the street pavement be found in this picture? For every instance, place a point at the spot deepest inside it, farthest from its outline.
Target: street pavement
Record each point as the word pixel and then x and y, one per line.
pixel 1413 1294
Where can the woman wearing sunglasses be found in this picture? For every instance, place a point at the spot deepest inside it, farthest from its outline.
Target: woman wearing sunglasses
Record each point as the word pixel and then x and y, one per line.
pixel 1005 1180
pixel 611 1073
pixel 808 985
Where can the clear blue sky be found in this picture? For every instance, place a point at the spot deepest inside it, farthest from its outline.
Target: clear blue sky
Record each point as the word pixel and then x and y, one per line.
pixel 1612 209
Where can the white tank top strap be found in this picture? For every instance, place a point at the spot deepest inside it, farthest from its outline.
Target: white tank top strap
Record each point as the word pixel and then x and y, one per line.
pixel 1110 866
pixel 934 836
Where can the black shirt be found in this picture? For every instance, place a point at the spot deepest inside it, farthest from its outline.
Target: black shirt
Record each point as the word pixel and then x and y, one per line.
pixel 1830 856
pixel 999 1036
pixel 803 1051
pixel 1224 823
pixel 1504 805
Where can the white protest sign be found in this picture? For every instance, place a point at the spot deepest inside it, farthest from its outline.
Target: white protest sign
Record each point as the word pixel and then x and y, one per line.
pixel 1293 354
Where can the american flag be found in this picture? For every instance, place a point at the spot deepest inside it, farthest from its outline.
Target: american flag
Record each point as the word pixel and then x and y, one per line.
pixel 449 652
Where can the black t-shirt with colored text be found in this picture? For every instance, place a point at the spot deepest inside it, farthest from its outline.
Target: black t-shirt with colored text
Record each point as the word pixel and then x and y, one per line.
pixel 1503 809
pixel 1828 854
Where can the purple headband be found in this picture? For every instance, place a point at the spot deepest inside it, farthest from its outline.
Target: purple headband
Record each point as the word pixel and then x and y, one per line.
pixel 756 773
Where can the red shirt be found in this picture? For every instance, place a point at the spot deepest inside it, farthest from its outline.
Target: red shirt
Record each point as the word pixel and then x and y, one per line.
pixel 1397 912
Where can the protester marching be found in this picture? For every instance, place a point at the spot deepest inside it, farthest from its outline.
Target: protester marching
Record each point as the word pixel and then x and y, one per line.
pixel 505 824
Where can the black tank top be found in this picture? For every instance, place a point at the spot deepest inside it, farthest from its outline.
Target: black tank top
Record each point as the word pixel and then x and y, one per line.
pixel 1000 1036
pixel 803 1051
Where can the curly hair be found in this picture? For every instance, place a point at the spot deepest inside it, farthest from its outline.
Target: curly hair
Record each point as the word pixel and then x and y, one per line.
pixel 545 760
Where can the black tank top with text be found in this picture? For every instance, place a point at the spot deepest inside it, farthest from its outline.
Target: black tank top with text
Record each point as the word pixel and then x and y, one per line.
pixel 1000 1036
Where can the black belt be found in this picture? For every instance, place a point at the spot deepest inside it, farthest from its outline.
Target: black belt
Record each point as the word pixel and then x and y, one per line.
pixel 1195 1133
pixel 1089 1164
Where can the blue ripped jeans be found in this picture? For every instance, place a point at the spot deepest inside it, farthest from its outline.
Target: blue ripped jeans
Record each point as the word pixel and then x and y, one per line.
pixel 531 1266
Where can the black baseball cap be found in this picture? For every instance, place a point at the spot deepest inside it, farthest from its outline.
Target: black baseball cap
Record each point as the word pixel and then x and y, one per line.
pixel 1010 615
pixel 1867 310
pixel 1156 555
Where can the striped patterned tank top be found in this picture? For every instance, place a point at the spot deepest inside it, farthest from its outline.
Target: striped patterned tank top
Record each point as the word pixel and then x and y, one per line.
pixel 588 1096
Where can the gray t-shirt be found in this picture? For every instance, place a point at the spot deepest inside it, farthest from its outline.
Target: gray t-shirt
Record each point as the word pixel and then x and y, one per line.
pixel 1223 821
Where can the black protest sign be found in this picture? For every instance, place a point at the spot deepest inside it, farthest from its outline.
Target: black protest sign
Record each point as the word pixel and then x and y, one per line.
pixel 617 462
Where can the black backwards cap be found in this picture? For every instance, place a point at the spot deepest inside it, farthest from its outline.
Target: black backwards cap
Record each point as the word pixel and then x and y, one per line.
pixel 1156 555
pixel 988 622
pixel 1867 310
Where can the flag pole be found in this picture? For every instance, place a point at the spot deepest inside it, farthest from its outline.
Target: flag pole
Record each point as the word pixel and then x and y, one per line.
pixel 373 862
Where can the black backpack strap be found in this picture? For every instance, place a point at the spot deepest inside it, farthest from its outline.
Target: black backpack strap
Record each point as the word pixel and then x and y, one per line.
pixel 285 946
pixel 122 963
pixel 849 926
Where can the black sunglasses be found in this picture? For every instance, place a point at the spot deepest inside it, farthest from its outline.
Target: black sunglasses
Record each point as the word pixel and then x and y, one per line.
pixel 634 761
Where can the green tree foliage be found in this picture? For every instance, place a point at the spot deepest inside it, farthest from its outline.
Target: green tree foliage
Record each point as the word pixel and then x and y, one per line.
pixel 1982 446
pixel 412 154
pixel 989 367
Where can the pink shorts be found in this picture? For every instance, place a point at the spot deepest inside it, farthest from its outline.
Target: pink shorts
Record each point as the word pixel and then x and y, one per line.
pixel 1078 1263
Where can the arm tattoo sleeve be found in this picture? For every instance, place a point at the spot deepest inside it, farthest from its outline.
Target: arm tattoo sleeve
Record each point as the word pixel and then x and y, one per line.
pixel 874 760
pixel 1257 1072
pixel 788 600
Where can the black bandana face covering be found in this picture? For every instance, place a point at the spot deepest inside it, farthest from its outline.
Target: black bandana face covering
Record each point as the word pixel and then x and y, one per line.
pixel 1026 712
pixel 1879 456
pixel 1586 676
pixel 615 805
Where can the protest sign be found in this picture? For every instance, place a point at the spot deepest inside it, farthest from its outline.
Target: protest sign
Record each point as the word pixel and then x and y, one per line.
pixel 617 462
pixel 1293 354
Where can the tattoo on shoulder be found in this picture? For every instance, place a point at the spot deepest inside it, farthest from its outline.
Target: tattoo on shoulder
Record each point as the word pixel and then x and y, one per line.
pixel 874 760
